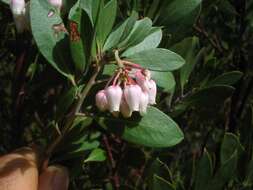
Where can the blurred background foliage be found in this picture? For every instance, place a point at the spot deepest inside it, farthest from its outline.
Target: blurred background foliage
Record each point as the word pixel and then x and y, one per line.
pixel 210 97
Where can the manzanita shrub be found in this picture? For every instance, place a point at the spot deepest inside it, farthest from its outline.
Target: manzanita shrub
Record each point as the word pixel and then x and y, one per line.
pixel 131 94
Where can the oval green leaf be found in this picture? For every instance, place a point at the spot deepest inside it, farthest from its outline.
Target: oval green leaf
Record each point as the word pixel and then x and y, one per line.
pixel 178 16
pixel 138 33
pixel 155 129
pixel 228 78
pixel 50 36
pixel 164 80
pixel 119 34
pixel 105 21
pixel 157 59
pixel 151 41
pixel 97 155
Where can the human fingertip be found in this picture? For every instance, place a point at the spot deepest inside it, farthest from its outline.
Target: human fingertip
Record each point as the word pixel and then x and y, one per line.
pixel 54 178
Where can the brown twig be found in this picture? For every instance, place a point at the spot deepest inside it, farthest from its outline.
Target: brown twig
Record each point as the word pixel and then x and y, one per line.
pixel 115 176
pixel 109 151
pixel 75 111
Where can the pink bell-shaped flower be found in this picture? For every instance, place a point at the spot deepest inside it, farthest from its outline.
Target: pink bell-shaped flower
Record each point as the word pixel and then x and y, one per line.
pixel 17 7
pixel 56 3
pixel 142 81
pixel 144 103
pixel 132 94
pixel 152 92
pixel 101 100
pixel 124 109
pixel 114 95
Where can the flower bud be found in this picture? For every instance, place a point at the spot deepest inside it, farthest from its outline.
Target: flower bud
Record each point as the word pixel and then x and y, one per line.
pixel 114 94
pixel 124 109
pixel 132 94
pixel 144 103
pixel 56 3
pixel 142 81
pixel 152 92
pixel 17 7
pixel 101 100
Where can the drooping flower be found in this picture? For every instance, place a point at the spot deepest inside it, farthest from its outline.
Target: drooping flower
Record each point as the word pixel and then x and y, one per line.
pixel 139 90
pixel 132 95
pixel 114 95
pixel 17 7
pixel 124 109
pixel 20 12
pixel 56 3
pixel 144 103
pixel 101 100
pixel 152 90
pixel 142 81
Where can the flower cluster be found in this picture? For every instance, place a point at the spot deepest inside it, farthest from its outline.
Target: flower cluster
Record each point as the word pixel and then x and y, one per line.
pixel 132 89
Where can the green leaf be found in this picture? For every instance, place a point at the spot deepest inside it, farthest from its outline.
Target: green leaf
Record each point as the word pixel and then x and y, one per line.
pixel 109 70
pixel 78 142
pixel 150 42
pixel 249 175
pixel 91 7
pixel 165 80
pixel 139 32
pixel 49 37
pixel 155 129
pixel 76 43
pixel 79 150
pixel 105 21
pixel 203 172
pixel 160 169
pixel 178 16
pixel 207 98
pixel 230 144
pixel 77 135
pixel 157 59
pixel 224 174
pixel 217 95
pixel 119 34
pixel 161 184
pixel 97 155
pixel 228 78
pixel 188 49
pixel 6 1
pixel 152 10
